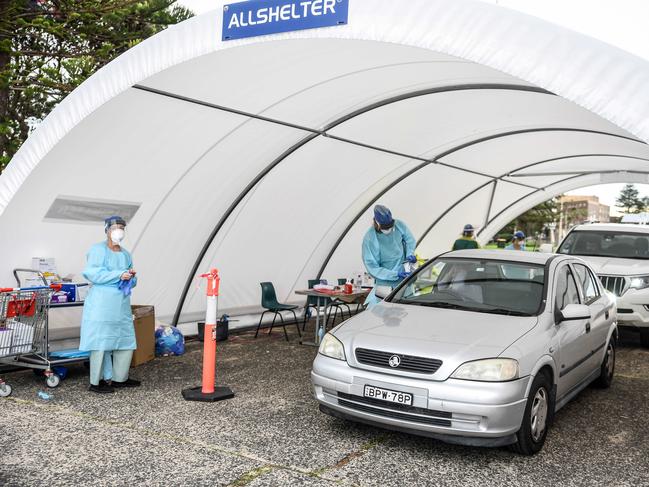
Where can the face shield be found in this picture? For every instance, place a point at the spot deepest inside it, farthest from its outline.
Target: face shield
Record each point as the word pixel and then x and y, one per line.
pixel 114 228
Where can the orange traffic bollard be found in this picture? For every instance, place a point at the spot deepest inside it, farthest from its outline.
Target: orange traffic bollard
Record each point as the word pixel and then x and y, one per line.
pixel 208 392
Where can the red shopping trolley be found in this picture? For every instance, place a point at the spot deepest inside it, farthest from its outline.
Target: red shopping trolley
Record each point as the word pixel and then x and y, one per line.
pixel 23 325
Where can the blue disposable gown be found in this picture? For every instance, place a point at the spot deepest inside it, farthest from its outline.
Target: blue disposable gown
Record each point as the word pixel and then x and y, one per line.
pixel 383 255
pixel 511 247
pixel 107 322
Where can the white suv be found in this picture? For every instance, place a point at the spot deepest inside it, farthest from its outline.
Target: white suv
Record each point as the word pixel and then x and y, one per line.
pixel 619 253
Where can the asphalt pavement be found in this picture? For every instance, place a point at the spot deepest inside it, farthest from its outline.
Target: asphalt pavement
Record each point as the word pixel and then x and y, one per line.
pixel 272 434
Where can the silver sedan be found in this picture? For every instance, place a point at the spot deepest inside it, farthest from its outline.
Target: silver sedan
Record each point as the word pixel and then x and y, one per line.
pixel 477 347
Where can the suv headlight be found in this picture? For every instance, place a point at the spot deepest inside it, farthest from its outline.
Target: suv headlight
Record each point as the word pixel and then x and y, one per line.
pixel 639 282
pixel 488 370
pixel 331 347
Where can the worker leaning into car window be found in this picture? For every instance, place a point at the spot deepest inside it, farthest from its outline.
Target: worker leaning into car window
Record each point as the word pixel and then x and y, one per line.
pixel 107 323
pixel 518 242
pixel 467 240
pixel 387 245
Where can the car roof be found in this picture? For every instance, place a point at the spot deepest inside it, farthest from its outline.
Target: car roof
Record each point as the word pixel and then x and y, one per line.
pixel 612 227
pixel 509 255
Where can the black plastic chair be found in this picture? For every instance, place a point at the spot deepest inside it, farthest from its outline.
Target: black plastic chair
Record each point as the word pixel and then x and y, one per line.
pixel 271 305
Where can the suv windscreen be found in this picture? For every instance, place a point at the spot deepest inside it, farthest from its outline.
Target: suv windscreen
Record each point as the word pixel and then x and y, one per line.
pixel 485 286
pixel 599 243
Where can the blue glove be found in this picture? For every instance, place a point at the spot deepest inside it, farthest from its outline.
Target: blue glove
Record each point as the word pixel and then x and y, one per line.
pixel 403 274
pixel 412 259
pixel 126 287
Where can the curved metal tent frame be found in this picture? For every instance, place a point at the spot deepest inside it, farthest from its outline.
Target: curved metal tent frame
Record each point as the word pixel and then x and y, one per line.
pixel 268 153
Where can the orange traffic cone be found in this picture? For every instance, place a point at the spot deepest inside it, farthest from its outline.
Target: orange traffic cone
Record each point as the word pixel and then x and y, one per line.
pixel 208 392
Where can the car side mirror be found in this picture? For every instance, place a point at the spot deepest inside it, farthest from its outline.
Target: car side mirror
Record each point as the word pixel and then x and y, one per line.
pixel 382 292
pixel 575 312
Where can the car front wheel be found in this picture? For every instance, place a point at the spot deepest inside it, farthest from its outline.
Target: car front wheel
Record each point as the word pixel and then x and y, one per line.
pixel 536 419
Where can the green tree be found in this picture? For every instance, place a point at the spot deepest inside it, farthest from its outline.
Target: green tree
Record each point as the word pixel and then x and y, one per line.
pixel 49 47
pixel 628 198
pixel 642 204
pixel 533 221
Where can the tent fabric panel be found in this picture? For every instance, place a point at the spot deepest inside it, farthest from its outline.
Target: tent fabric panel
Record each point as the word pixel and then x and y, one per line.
pixel 580 163
pixel 503 196
pixel 449 227
pixel 105 160
pixel 289 216
pixel 606 80
pixel 417 201
pixel 200 199
pixel 336 77
pixel 509 154
pixel 427 125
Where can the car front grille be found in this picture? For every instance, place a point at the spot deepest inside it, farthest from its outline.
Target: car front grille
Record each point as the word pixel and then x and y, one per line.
pixel 615 284
pixel 395 411
pixel 408 363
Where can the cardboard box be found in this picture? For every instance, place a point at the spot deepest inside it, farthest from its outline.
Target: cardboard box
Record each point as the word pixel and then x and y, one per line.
pixel 73 292
pixel 60 297
pixel 144 323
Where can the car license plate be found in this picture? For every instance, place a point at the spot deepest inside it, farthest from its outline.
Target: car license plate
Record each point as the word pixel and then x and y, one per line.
pixel 387 395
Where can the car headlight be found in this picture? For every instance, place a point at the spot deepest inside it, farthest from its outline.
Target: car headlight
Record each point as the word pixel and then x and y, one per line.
pixel 488 370
pixel 639 282
pixel 331 347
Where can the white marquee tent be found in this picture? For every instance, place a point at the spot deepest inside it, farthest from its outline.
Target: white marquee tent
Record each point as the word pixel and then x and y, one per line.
pixel 264 156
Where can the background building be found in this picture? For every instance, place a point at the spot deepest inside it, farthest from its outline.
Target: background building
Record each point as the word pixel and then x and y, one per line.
pixel 574 209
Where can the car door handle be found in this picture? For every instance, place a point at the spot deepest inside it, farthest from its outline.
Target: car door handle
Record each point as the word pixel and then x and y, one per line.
pixel 588 327
pixel 606 314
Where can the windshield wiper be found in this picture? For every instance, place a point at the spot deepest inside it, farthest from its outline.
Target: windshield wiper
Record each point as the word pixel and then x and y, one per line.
pixel 505 311
pixel 447 305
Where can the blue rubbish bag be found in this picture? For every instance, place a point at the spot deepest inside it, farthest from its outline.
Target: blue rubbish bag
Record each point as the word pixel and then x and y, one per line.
pixel 169 341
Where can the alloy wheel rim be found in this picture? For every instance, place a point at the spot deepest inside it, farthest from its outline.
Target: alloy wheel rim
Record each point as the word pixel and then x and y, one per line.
pixel 539 414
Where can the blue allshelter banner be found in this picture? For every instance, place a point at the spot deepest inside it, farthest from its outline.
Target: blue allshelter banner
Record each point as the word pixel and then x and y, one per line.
pixel 262 17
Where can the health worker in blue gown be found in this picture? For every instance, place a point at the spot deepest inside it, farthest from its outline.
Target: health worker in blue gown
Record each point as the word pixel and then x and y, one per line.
pixel 107 323
pixel 387 246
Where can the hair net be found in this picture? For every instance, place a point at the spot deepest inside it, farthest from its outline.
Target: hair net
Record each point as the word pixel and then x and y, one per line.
pixel 383 215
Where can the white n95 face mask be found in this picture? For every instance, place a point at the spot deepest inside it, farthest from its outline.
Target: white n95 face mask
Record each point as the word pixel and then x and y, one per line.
pixel 388 231
pixel 117 235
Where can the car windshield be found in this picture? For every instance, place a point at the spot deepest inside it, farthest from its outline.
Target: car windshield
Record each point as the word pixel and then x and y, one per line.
pixel 485 286
pixel 624 245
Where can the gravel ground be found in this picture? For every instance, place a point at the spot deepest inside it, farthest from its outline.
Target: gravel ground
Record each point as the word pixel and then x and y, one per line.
pixel 272 434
